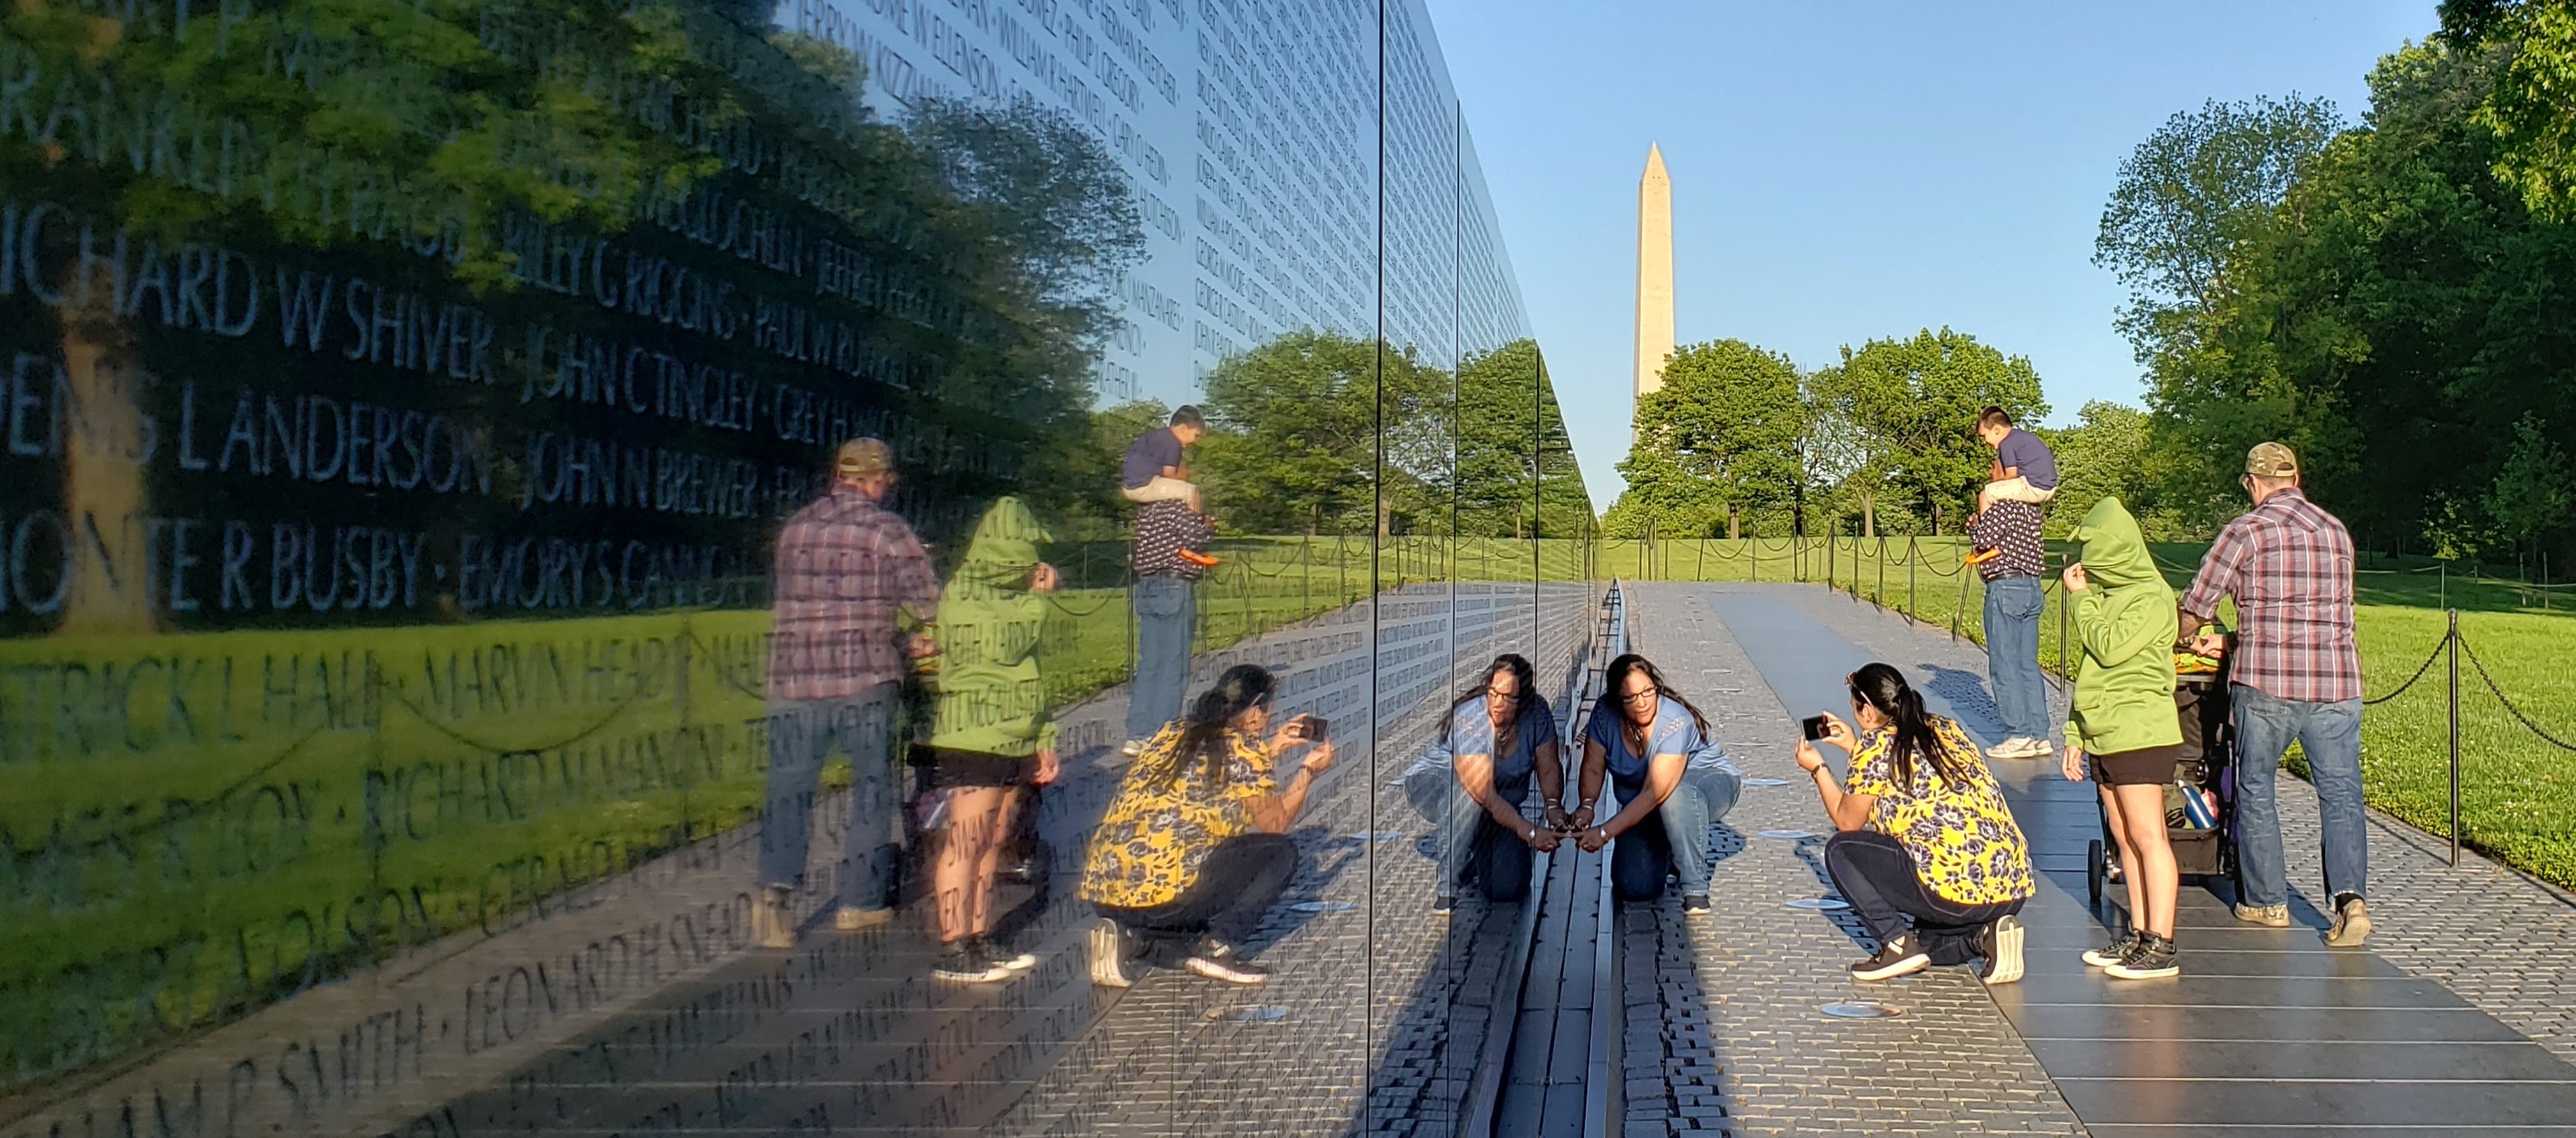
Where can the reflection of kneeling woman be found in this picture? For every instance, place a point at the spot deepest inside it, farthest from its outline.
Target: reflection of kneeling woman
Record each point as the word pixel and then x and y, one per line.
pixel 1924 833
pixel 1472 780
pixel 1672 781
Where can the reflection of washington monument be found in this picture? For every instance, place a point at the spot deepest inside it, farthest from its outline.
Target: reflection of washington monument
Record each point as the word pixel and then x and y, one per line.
pixel 1654 273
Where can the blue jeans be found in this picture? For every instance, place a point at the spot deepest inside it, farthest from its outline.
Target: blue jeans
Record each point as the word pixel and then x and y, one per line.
pixel 2330 735
pixel 2012 655
pixel 1676 838
pixel 1468 837
pixel 803 735
pixel 1166 609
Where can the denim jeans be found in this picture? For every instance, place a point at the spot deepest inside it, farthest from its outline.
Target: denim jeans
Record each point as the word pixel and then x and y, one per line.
pixel 1469 839
pixel 2330 735
pixel 1676 838
pixel 803 735
pixel 2013 605
pixel 1875 874
pixel 1165 611
pixel 1236 885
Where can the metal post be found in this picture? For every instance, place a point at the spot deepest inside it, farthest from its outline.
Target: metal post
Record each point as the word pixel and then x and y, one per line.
pixel 1913 557
pixel 2452 645
pixel 2062 602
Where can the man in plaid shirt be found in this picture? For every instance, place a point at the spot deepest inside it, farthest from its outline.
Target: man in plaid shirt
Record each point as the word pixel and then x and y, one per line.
pixel 2296 676
pixel 847 567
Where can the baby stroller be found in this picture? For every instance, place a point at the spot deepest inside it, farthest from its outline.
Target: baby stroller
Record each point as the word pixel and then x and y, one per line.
pixel 2206 769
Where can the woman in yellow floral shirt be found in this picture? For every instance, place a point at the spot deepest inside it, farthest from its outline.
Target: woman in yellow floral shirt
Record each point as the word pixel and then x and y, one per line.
pixel 1924 833
pixel 1194 847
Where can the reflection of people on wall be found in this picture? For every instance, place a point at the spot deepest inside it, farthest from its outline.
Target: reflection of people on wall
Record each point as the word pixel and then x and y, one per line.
pixel 1169 529
pixel 1157 469
pixel 1194 848
pixel 1471 780
pixel 990 733
pixel 1672 781
pixel 846 565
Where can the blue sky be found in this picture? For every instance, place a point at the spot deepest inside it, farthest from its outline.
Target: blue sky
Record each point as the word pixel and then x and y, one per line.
pixel 1854 170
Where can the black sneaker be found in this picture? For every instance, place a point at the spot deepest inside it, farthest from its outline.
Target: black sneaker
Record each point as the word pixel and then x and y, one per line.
pixel 1443 906
pixel 1217 960
pixel 1695 903
pixel 1999 945
pixel 961 963
pixel 2112 953
pixel 1009 961
pixel 1897 957
pixel 1112 964
pixel 2151 958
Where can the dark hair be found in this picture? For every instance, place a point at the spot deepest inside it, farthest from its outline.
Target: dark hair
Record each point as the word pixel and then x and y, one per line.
pixel 1519 667
pixel 1882 687
pixel 1616 678
pixel 1188 416
pixel 1242 688
pixel 1994 417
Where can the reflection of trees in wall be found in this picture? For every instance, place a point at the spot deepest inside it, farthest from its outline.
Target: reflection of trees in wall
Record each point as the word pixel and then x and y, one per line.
pixel 1297 438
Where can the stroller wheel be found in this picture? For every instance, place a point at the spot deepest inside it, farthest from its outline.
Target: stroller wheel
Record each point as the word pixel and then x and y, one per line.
pixel 2093 867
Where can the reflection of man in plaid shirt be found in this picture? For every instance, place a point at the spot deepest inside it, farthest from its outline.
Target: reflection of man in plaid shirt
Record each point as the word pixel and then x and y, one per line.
pixel 2296 678
pixel 846 566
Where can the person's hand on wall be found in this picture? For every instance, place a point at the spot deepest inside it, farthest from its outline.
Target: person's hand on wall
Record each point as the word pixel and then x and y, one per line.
pixel 1540 838
pixel 1593 840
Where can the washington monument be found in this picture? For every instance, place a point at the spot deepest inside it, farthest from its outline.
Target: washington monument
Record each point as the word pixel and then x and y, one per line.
pixel 1654 273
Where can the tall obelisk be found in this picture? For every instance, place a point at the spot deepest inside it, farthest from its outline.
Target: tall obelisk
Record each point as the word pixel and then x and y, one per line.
pixel 1654 273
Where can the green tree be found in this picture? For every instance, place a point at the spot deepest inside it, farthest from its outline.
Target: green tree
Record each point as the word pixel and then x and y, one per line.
pixel 2531 495
pixel 2104 455
pixel 2530 106
pixel 1721 438
pixel 1903 413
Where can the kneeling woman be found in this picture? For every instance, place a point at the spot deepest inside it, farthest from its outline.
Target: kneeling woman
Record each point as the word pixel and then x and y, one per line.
pixel 1472 780
pixel 1194 848
pixel 1672 781
pixel 1923 833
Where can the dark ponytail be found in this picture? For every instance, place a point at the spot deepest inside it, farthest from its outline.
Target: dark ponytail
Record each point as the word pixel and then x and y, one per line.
pixel 1242 688
pixel 1884 688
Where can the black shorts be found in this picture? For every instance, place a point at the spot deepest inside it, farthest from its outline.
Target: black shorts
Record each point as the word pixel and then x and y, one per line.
pixel 957 770
pixel 2147 766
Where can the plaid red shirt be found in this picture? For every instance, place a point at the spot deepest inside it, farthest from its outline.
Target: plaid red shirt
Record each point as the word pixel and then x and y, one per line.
pixel 2289 566
pixel 844 565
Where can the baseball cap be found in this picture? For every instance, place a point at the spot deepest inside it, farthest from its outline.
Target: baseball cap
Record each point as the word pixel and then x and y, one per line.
pixel 860 458
pixel 2271 460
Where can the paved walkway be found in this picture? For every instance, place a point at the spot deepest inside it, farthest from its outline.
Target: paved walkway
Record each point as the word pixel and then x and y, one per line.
pixel 2267 1032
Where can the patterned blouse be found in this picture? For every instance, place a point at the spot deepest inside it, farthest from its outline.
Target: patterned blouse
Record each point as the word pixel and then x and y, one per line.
pixel 1965 845
pixel 1160 827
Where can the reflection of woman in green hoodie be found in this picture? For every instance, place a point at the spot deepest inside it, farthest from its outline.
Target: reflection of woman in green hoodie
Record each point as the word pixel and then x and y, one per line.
pixel 991 734
pixel 2123 716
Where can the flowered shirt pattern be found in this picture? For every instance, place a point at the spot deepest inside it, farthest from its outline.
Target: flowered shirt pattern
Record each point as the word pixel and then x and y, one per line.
pixel 1159 828
pixel 1965 844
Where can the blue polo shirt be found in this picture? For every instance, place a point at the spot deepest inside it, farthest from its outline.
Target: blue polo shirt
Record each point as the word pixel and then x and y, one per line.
pixel 1673 732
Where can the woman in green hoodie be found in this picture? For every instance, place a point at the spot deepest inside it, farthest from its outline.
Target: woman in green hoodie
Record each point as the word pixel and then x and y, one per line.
pixel 990 733
pixel 2123 717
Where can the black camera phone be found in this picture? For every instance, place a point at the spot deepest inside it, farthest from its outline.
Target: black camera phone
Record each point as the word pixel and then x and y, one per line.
pixel 1315 728
pixel 1814 726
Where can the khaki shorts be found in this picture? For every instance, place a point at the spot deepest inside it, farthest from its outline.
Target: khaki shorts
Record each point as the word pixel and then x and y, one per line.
pixel 1163 489
pixel 2017 490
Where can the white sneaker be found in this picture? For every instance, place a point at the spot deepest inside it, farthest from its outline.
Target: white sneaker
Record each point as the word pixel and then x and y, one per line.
pixel 850 919
pixel 2015 747
pixel 2037 749
pixel 773 921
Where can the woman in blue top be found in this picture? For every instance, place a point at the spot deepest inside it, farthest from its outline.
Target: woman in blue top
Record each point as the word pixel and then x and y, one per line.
pixel 1671 779
pixel 1472 779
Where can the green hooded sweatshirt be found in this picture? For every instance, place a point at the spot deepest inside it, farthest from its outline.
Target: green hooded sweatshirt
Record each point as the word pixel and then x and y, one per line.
pixel 2124 689
pixel 990 699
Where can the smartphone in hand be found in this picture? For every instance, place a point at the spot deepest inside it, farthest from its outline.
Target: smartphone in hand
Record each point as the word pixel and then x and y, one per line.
pixel 1814 726
pixel 1313 728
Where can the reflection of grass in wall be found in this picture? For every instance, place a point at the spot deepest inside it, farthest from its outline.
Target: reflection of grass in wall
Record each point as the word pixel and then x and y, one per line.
pixel 2518 792
pixel 118 907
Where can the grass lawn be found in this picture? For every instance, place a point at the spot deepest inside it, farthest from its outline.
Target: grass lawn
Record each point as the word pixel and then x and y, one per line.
pixel 2518 791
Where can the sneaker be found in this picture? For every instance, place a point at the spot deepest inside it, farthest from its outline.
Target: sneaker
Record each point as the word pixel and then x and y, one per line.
pixel 2275 916
pixel 2351 922
pixel 1443 906
pixel 960 963
pixel 2151 958
pixel 1009 960
pixel 773 921
pixel 1219 961
pixel 2016 747
pixel 1110 960
pixel 1999 944
pixel 1695 903
pixel 1132 748
pixel 2112 953
pixel 1896 958
pixel 850 918
pixel 2037 749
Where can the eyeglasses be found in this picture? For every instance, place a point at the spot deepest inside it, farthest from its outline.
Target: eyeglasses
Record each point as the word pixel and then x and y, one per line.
pixel 1639 696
